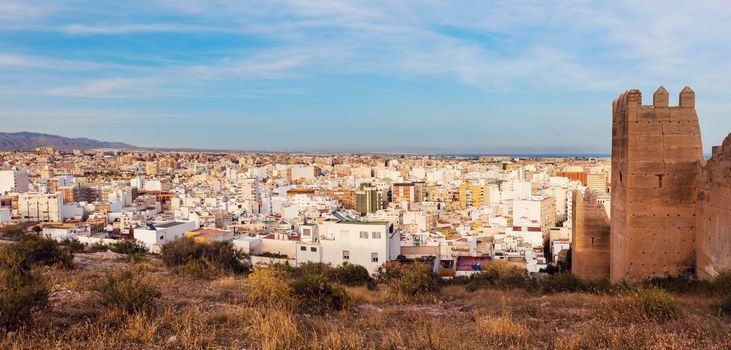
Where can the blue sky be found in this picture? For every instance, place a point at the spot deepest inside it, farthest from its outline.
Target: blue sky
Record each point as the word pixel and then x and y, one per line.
pixel 410 76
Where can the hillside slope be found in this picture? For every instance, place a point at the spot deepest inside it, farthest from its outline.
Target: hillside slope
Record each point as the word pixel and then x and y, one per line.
pixel 29 140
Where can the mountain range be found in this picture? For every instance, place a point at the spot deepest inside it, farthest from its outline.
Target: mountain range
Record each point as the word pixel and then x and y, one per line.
pixel 29 140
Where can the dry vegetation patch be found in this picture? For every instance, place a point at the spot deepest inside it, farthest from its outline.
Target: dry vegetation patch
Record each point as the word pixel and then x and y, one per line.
pixel 260 311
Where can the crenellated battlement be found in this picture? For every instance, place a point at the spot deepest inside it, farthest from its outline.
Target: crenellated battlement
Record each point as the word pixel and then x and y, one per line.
pixel 724 150
pixel 660 99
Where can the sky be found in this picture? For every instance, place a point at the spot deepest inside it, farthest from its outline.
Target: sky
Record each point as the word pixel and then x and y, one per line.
pixel 356 76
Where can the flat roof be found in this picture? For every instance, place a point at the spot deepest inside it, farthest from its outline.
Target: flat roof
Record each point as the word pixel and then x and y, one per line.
pixel 169 224
pixel 363 222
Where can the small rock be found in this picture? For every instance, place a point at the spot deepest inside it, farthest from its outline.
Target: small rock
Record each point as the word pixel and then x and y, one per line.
pixel 173 339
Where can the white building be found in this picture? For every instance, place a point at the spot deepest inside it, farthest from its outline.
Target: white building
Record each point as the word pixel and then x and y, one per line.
pixel 157 185
pixel 5 214
pixel 155 235
pixel 62 233
pixel 304 172
pixel 13 181
pixel 369 244
pixel 41 207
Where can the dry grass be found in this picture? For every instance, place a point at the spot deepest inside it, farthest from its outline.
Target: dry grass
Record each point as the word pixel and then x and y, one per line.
pixel 196 314
pixel 501 331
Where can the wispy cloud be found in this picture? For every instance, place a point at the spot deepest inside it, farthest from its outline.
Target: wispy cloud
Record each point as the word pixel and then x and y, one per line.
pixel 247 51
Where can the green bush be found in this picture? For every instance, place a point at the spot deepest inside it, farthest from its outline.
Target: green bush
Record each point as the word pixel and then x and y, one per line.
pixel 98 247
pixel 311 269
pixel 561 282
pixel 416 279
pixel 350 275
pixel 127 290
pixel 41 251
pixel 187 255
pixel 499 274
pixel 655 303
pixel 726 304
pixel 74 245
pixel 680 285
pixel 387 274
pixel 722 283
pixel 316 295
pixel 129 247
pixel 22 291
pixel 567 282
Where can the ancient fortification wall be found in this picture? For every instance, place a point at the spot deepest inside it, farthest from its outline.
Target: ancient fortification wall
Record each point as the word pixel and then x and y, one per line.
pixel 713 239
pixel 590 237
pixel 656 155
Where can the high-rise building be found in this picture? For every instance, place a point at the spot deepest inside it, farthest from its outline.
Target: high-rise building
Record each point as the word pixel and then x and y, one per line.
pixel 597 182
pixel 367 199
pixel 41 207
pixel 13 181
pixel 472 195
pixel 403 193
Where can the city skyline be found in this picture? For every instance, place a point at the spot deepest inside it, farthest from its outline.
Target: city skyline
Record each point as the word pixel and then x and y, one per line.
pixel 348 77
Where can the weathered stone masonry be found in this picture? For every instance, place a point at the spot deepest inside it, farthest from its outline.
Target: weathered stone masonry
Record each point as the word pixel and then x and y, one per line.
pixel 713 239
pixel 590 236
pixel 656 156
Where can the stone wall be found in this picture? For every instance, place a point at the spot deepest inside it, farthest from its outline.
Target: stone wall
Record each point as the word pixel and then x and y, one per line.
pixel 656 155
pixel 590 237
pixel 713 239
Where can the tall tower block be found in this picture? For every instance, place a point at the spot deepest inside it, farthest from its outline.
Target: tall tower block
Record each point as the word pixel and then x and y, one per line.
pixel 656 156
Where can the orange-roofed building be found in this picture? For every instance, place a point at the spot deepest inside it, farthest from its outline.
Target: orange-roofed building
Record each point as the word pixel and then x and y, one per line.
pixel 209 235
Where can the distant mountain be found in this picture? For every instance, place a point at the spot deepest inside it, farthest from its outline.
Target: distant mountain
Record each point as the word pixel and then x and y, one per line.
pixel 29 140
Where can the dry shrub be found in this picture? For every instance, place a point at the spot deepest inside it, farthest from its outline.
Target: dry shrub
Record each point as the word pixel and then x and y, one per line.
pixel 326 334
pixel 203 259
pixel 316 295
pixel 266 286
pixel 501 330
pixel 226 283
pixel 655 303
pixel 415 279
pixel 191 330
pixel 641 305
pixel 22 290
pixel 274 329
pixel 141 327
pixel 499 274
pixel 364 295
pixel 430 333
pixel 41 251
pixel 128 290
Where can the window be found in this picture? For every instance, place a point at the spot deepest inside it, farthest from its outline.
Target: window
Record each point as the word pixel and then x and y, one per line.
pixel 374 257
pixel 313 249
pixel 162 237
pixel 363 234
pixel 376 235
pixel 303 248
pixel 306 232
pixel 346 254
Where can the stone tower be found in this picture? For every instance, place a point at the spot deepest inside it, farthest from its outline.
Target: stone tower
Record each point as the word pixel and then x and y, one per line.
pixel 590 236
pixel 713 237
pixel 656 155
